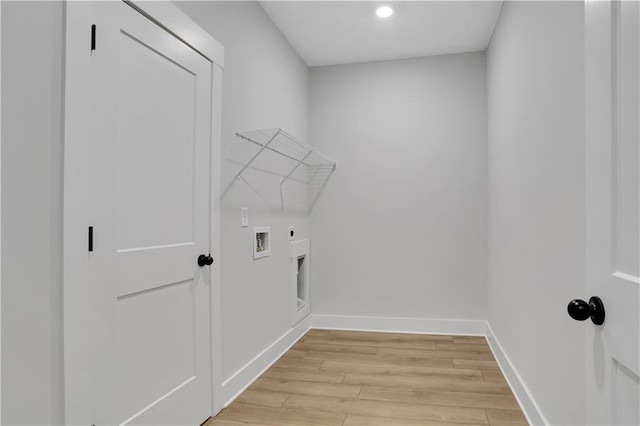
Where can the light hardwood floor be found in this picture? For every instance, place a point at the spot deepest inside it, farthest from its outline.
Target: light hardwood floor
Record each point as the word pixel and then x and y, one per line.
pixel 357 378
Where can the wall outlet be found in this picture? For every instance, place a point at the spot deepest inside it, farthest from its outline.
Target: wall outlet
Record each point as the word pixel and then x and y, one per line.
pixel 244 217
pixel 292 233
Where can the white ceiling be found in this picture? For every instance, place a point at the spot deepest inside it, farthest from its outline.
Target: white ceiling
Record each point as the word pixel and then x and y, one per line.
pixel 340 32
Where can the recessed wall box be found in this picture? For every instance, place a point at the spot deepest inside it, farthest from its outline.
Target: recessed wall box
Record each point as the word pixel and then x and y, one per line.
pixel 261 241
pixel 300 306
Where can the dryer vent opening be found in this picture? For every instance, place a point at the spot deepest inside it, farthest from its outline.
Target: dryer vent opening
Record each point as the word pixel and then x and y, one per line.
pixel 300 293
pixel 301 282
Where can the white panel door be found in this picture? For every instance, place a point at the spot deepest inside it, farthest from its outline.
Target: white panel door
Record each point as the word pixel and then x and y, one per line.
pixel 148 331
pixel 612 36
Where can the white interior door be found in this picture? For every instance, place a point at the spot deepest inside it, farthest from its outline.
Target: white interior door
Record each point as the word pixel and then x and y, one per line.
pixel 138 336
pixel 612 33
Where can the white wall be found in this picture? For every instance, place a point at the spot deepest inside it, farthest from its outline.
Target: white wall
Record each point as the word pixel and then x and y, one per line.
pixel 536 192
pixel 265 85
pixel 400 230
pixel 32 376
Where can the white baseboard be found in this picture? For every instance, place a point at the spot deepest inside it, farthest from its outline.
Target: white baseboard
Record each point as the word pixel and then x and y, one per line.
pixel 242 379
pixel 399 325
pixel 525 399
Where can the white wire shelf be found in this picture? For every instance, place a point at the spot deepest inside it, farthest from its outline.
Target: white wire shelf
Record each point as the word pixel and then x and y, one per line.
pixel 302 164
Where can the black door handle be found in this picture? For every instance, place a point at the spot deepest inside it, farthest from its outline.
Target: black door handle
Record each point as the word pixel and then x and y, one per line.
pixel 205 260
pixel 580 310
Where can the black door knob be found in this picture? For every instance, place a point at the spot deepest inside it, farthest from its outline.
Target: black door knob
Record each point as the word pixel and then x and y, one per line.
pixel 580 310
pixel 205 260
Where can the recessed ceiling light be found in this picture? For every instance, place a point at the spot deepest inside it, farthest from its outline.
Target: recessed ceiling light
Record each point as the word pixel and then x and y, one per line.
pixel 384 11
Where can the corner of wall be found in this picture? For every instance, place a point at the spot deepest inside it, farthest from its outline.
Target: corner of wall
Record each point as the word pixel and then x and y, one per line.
pixel 243 378
pixel 516 383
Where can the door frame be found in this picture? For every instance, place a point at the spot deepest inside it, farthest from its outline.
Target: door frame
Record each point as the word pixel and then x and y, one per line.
pixel 78 23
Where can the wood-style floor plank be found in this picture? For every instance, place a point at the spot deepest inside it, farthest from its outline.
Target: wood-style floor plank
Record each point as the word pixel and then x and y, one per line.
pixel 456 399
pixel 304 374
pixel 455 346
pixel 378 359
pixel 307 388
pixel 492 375
pixel 310 364
pixel 332 377
pixel 379 336
pixel 445 384
pixel 255 414
pixel 221 422
pixel 400 410
pixel 268 397
pixel 352 367
pixel 506 418
pixel 434 354
pixel 392 343
pixel 354 420
pixel 478 364
pixel 330 347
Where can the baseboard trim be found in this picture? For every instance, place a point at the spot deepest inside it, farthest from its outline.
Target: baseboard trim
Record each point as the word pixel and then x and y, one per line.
pixel 521 392
pixel 399 325
pixel 243 378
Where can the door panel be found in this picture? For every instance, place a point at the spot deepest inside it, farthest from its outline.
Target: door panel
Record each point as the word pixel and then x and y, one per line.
pixel 612 60
pixel 625 397
pixel 156 345
pixel 155 203
pixel 626 48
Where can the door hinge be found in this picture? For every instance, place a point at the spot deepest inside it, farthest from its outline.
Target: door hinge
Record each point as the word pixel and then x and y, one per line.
pixel 90 238
pixel 93 37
